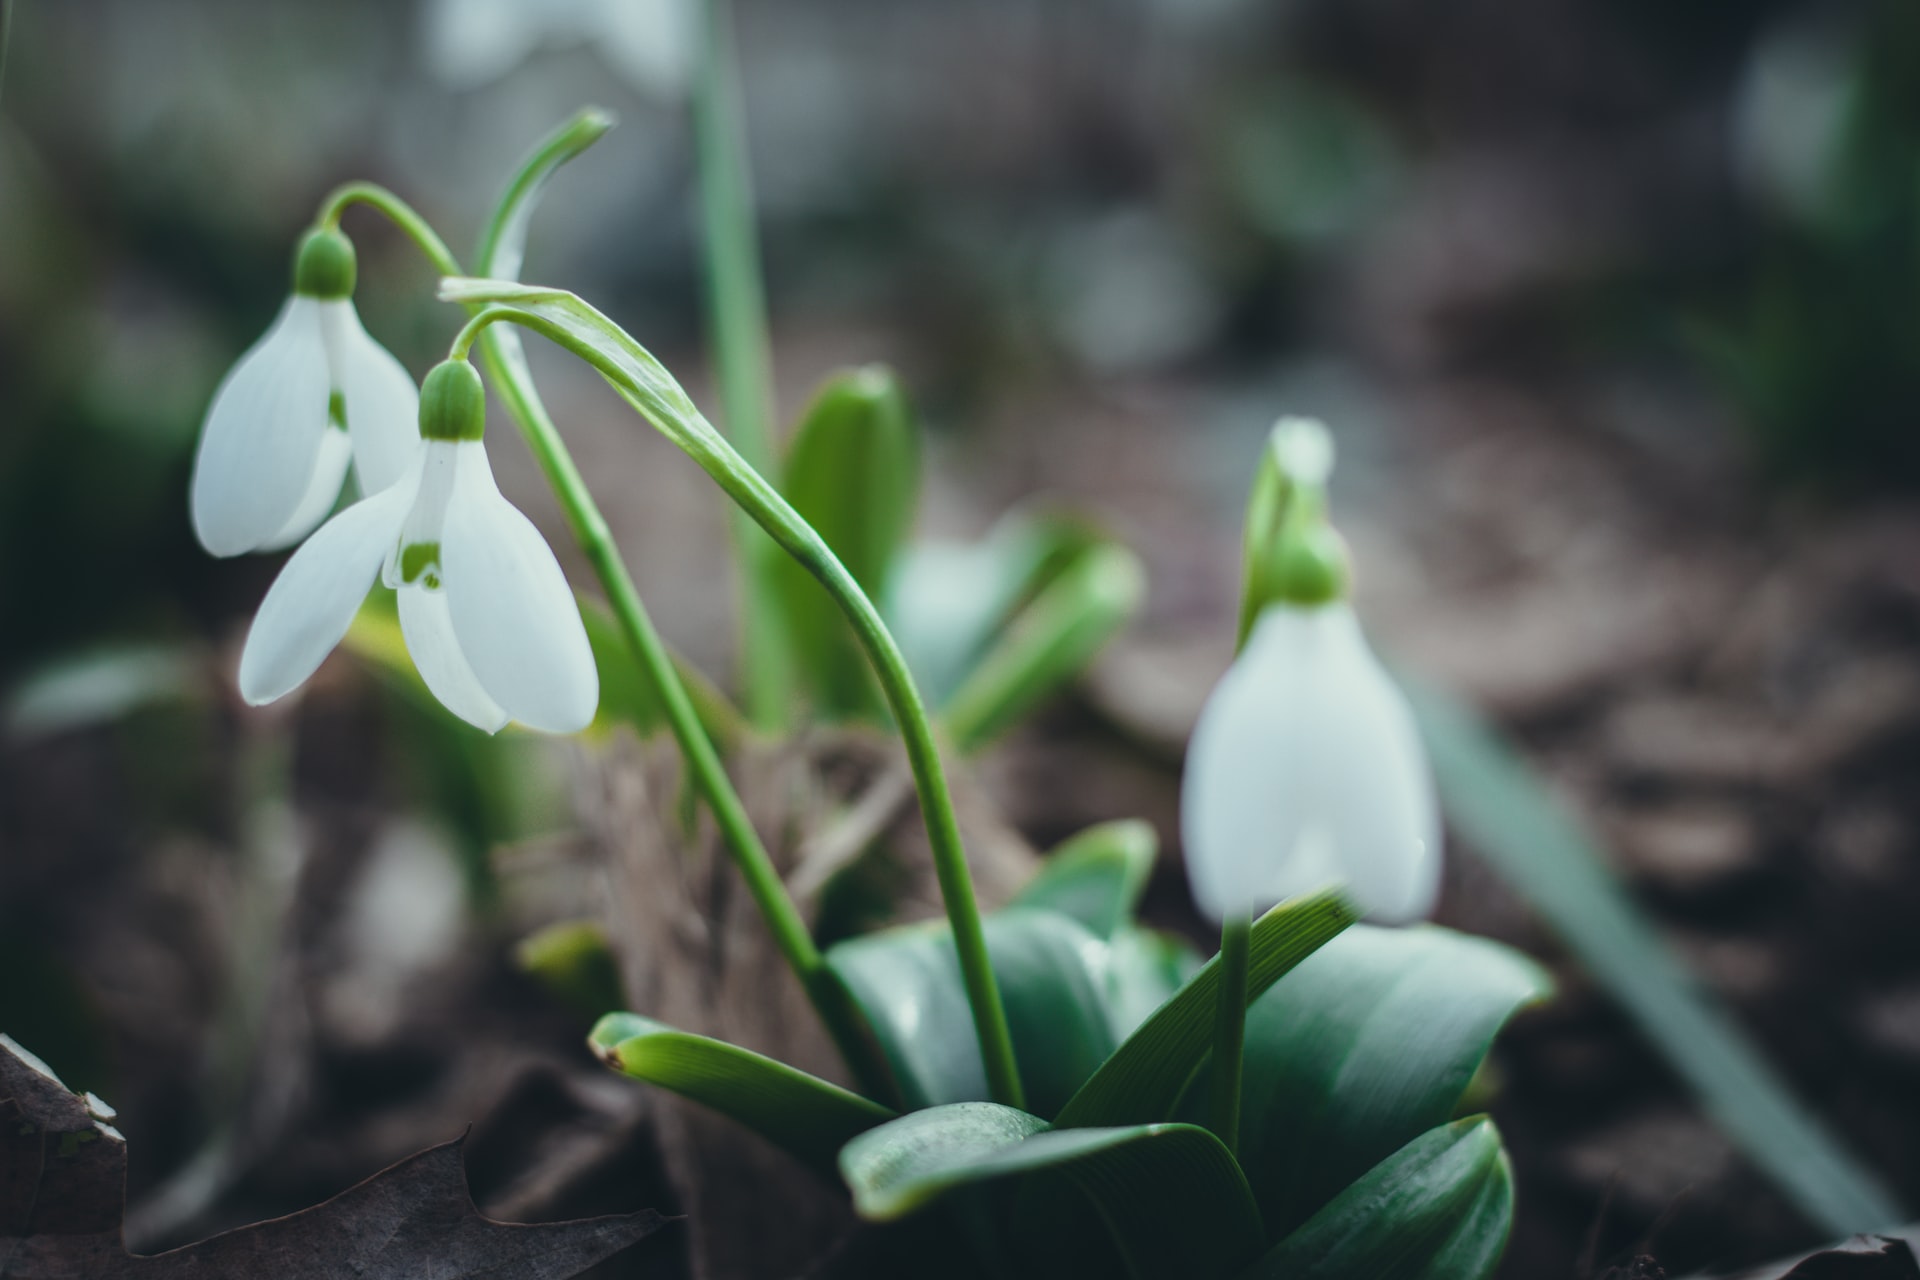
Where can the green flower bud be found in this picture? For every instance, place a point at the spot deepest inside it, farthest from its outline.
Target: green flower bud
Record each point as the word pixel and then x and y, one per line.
pixel 453 403
pixel 324 266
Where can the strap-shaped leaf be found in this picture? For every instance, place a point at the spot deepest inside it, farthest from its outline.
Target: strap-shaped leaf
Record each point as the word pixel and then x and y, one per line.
pixel 1497 803
pixel 1053 983
pixel 1171 1197
pixel 1095 877
pixel 806 1116
pixel 1368 1043
pixel 852 470
pixel 1144 1078
pixel 1440 1206
pixel 1048 644
pixel 503 245
pixel 1144 968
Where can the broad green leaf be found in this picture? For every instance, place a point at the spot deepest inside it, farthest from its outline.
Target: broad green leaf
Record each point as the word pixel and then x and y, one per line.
pixel 806 1116
pixel 1053 978
pixel 1507 814
pixel 946 601
pixel 1095 877
pixel 1441 1206
pixel 574 961
pixel 628 697
pixel 1047 644
pixel 1170 1195
pixel 1144 968
pixel 1144 1078
pixel 1368 1043
pixel 852 470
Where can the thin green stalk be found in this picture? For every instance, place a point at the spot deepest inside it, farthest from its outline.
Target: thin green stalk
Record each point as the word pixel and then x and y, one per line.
pixel 769 891
pixel 396 211
pixel 514 385
pixel 1230 1031
pixel 737 322
pixel 656 397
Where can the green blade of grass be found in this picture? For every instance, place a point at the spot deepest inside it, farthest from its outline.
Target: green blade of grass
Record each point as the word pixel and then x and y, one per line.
pixel 1494 800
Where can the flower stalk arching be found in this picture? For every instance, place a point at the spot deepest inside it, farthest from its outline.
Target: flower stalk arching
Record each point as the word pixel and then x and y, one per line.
pixel 653 393
pixel 513 384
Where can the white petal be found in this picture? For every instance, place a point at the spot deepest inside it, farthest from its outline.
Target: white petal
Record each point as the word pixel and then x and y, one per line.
pixel 516 620
pixel 312 602
pixel 469 42
pixel 428 627
pixel 382 402
pixel 1306 768
pixel 649 42
pixel 263 431
pixel 323 490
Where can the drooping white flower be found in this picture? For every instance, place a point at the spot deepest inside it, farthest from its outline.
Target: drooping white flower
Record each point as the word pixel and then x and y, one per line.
pixel 1305 770
pixel 648 42
pixel 488 618
pixel 313 394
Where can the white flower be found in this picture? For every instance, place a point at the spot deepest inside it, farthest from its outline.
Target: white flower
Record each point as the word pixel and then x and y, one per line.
pixel 1306 769
pixel 315 392
pixel 648 42
pixel 486 612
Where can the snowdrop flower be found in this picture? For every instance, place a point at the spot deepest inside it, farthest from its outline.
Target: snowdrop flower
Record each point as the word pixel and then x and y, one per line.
pixel 648 42
pixel 486 612
pixel 1306 767
pixel 314 393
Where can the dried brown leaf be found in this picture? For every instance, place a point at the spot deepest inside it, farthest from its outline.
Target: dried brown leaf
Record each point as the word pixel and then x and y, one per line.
pixel 62 1196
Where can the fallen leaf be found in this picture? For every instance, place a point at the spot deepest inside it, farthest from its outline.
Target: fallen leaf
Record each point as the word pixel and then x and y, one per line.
pixel 62 1195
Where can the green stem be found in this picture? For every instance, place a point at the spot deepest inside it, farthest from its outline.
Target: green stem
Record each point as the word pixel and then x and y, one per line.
pixel 737 321
pixel 396 211
pixel 663 403
pixel 508 374
pixel 1230 1031
pixel 512 382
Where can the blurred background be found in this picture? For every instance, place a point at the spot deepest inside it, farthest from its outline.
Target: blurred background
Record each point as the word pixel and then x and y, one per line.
pixel 1613 306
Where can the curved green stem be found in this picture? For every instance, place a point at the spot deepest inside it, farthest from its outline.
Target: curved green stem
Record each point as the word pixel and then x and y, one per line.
pixel 1230 1031
pixel 506 367
pixel 396 211
pixel 656 397
pixel 737 327
pixel 507 371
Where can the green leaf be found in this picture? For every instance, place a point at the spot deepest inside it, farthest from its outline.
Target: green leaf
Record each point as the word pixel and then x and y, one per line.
pixel 1144 968
pixel 1053 983
pixel 1506 813
pixel 1097 876
pixel 1144 1078
pixel 852 471
pixel 503 245
pixel 1170 1195
pixel 1441 1206
pixel 1048 644
pixel 574 961
pixel 946 601
pixel 806 1116
pixel 1369 1043
pixel 627 695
